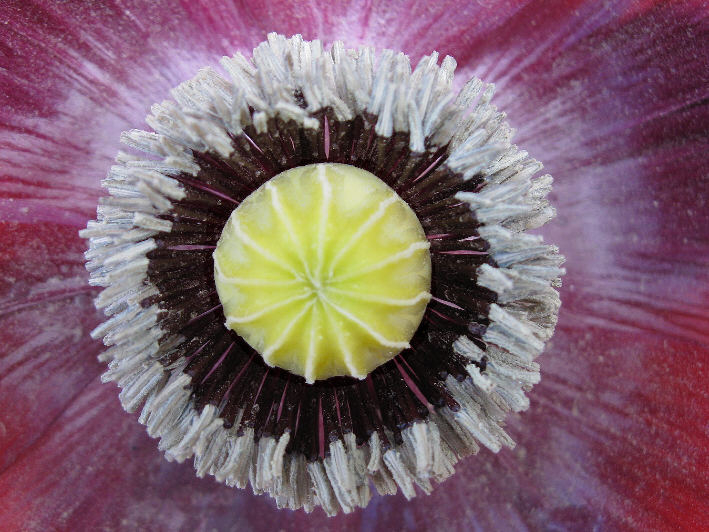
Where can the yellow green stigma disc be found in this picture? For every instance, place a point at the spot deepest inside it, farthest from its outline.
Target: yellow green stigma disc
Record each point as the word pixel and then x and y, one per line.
pixel 325 271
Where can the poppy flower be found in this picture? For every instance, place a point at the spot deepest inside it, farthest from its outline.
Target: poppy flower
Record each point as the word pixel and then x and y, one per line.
pixel 612 99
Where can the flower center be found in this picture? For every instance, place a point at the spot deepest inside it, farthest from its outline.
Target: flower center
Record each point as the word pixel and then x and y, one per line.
pixel 325 271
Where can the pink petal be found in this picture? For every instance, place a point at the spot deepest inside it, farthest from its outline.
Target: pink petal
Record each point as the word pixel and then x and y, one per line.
pixel 612 98
pixel 99 469
pixel 46 313
pixel 74 76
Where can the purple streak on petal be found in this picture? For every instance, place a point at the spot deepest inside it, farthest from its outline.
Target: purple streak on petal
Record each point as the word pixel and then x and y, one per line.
pixel 447 303
pixel 218 363
pixel 204 314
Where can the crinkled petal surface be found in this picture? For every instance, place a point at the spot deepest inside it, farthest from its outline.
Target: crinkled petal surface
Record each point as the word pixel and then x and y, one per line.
pixel 613 97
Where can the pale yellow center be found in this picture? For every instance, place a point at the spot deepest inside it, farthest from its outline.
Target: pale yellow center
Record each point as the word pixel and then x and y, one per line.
pixel 325 271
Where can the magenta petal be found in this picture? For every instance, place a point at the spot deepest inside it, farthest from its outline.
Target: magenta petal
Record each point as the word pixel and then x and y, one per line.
pixel 74 76
pixel 98 469
pixel 617 110
pixel 46 314
pixel 618 114
pixel 612 98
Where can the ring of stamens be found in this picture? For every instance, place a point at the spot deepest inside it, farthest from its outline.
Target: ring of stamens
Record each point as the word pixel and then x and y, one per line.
pixel 205 392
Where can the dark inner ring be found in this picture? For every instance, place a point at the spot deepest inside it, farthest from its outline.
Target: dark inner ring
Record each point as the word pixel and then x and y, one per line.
pixel 227 373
